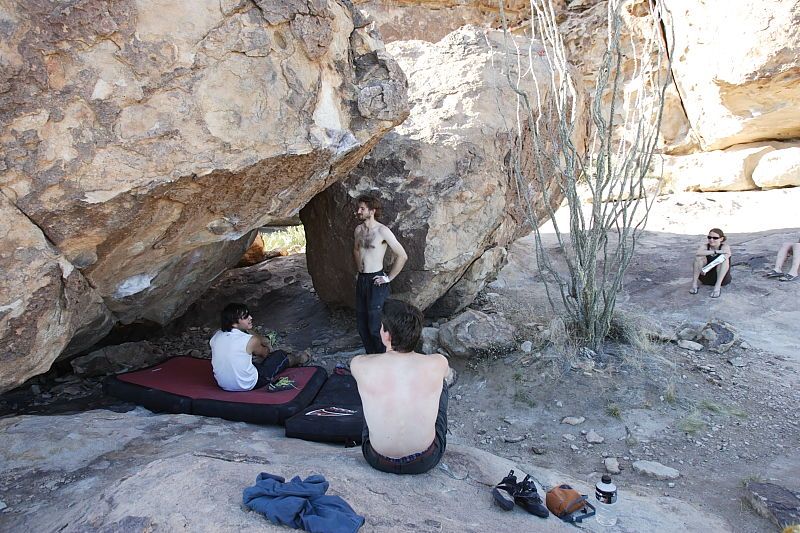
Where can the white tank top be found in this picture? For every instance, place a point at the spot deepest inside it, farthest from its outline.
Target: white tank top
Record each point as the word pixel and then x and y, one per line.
pixel 233 366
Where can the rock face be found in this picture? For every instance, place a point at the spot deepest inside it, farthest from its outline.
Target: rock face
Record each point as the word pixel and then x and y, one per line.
pixel 741 86
pixel 443 176
pixel 733 99
pixel 584 28
pixel 407 20
pixel 44 301
pixel 146 141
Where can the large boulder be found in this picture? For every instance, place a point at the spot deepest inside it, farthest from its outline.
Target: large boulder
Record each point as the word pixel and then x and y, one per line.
pixel 444 176
pixel 147 139
pixel 474 333
pixel 743 167
pixel 736 69
pixel 117 359
pixel 780 168
pixel 718 170
pixel 45 302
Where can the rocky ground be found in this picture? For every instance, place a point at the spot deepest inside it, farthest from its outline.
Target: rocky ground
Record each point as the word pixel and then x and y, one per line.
pixel 711 421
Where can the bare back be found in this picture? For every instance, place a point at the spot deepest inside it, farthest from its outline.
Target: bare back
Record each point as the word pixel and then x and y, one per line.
pixel 400 394
pixel 370 247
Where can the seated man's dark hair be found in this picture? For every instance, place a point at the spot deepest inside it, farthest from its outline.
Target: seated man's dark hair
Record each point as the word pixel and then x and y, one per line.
pixel 403 321
pixel 370 201
pixel 231 315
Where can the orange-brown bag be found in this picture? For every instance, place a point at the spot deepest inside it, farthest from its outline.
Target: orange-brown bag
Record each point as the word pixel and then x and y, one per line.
pixel 568 504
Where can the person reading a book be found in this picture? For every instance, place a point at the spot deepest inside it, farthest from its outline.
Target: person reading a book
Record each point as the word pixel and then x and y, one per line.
pixel 712 263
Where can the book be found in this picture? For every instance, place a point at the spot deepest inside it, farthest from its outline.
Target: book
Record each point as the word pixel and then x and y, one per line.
pixel 717 261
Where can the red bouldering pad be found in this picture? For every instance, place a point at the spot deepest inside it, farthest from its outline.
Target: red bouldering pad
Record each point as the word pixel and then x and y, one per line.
pixel 187 385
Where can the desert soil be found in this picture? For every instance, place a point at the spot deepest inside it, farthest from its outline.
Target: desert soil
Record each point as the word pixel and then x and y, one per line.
pixel 717 423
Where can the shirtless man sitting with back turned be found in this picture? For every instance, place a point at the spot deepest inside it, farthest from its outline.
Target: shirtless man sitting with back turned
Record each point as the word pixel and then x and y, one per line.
pixel 404 397
pixel 372 286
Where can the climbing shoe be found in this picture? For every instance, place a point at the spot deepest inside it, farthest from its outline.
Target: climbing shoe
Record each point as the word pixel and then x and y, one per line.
pixel 527 498
pixel 281 384
pixel 504 491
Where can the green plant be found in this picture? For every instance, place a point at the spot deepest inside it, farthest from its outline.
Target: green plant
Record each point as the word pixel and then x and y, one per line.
pixel 291 239
pixel 670 393
pixel 634 329
pixel 522 396
pixel 711 406
pixel 692 423
pixel 717 408
pixel 559 148
pixel 614 410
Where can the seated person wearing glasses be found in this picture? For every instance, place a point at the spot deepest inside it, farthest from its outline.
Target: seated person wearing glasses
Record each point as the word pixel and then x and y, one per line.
pixel 404 396
pixel 720 274
pixel 233 348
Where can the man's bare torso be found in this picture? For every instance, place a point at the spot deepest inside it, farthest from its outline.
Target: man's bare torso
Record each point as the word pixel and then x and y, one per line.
pixel 400 394
pixel 371 246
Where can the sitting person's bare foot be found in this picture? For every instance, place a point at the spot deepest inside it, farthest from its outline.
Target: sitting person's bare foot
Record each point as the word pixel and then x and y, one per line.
pixel 300 358
pixel 451 378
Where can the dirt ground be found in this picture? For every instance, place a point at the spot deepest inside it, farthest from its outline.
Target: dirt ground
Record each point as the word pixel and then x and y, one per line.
pixel 716 423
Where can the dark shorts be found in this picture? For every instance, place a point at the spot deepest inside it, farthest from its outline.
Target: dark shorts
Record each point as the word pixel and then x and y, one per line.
pixel 369 304
pixel 417 463
pixel 275 363
pixel 710 278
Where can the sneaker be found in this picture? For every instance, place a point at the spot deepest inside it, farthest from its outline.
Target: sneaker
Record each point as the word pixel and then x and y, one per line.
pixel 504 492
pixel 528 498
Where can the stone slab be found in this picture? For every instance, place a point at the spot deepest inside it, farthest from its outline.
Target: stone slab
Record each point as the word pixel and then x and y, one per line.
pixel 139 471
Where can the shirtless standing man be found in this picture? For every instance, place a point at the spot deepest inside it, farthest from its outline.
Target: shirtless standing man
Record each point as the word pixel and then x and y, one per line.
pixel 372 286
pixel 403 395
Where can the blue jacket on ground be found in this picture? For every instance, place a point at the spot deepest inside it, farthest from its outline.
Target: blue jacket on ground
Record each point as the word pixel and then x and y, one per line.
pixel 301 504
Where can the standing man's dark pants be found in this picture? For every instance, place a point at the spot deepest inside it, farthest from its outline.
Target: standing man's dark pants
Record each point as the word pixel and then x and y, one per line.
pixel 418 463
pixel 369 304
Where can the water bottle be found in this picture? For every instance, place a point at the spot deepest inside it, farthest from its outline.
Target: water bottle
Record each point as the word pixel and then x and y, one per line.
pixel 605 493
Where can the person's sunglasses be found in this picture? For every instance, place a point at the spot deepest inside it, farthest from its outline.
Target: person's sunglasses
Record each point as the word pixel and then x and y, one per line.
pixel 711 237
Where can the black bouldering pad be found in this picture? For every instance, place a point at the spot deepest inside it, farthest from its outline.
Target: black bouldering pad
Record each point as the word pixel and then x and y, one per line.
pixel 336 415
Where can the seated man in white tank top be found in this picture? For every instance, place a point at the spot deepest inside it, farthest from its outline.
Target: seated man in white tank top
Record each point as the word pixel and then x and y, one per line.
pixel 233 348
